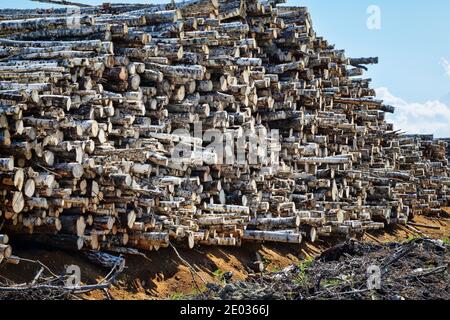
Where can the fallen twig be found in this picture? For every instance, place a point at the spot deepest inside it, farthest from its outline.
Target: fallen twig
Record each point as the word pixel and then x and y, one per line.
pixel 53 287
pixel 191 269
pixel 424 226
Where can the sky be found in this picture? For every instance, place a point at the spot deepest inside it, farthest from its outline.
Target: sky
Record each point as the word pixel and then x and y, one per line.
pixel 411 39
pixel 413 46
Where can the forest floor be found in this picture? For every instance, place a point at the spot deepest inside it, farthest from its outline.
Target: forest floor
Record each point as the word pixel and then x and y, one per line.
pixel 162 274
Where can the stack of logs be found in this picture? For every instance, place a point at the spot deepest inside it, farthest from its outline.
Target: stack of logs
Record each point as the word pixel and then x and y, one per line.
pixel 447 140
pixel 5 249
pixel 90 109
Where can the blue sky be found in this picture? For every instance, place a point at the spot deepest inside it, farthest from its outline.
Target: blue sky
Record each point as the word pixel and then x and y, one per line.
pixel 412 41
pixel 413 45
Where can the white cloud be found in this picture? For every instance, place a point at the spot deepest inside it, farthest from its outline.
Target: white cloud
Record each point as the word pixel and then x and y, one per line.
pixel 446 65
pixel 431 117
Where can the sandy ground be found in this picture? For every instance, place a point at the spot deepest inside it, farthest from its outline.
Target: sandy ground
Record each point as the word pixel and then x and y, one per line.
pixel 163 276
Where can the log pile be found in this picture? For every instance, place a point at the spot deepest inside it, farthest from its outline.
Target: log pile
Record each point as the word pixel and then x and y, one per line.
pixel 447 140
pixel 93 110
pixel 5 249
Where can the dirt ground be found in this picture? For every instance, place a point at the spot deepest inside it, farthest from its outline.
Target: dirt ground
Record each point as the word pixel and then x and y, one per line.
pixel 162 275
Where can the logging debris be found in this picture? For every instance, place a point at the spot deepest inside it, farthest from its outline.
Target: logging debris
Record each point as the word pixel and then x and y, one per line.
pixel 417 270
pixel 46 285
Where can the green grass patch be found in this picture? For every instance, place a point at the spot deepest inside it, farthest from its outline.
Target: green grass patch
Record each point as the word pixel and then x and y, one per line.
pixel 178 296
pixel 218 273
pixel 302 278
pixel 305 264
pixel 186 296
pixel 330 282
pixel 412 238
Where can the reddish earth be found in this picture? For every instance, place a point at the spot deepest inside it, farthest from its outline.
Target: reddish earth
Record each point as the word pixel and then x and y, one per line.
pixel 163 276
